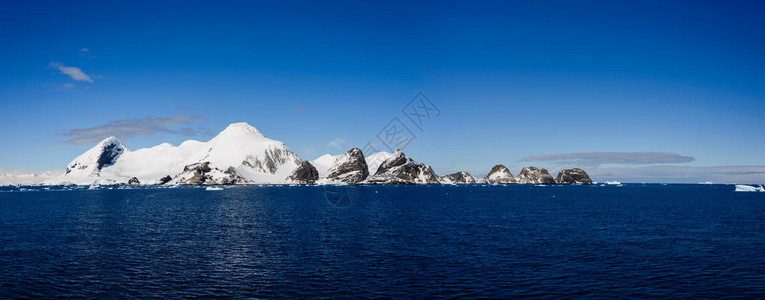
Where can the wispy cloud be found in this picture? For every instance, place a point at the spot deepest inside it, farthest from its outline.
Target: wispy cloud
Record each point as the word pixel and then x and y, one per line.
pixel 681 174
pixel 336 143
pixel 73 72
pixel 606 158
pixel 86 53
pixel 126 129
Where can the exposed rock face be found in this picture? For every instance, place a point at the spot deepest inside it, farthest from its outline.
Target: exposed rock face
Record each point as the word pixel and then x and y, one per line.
pixel 350 167
pixel 499 174
pixel 399 169
pixel 271 160
pixel 458 178
pixel 165 179
pixel 91 162
pixel 573 176
pixel 534 175
pixel 306 173
pixel 203 174
pixel 134 181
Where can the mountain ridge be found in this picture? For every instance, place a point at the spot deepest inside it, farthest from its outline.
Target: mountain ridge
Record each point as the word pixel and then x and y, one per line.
pixel 241 154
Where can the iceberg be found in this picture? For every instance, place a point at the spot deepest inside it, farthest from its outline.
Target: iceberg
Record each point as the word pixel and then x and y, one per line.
pixel 749 188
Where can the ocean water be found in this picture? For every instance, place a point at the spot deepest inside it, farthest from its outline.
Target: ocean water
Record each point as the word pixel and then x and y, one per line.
pixel 634 241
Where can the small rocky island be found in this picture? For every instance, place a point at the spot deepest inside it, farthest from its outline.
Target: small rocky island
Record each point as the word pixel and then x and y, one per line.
pixel 573 176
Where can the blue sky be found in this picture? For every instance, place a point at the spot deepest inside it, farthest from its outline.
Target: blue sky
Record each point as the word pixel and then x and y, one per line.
pixel 513 80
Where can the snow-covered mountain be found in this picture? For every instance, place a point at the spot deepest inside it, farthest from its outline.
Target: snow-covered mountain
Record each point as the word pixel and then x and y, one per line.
pixel 148 165
pixel 324 163
pixel 499 174
pixel 375 160
pixel 535 175
pixel 461 177
pixel 90 163
pixel 350 167
pixel 240 153
pixel 399 169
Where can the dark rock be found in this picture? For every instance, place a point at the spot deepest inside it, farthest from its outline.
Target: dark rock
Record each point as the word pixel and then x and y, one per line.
pixel 351 167
pixel 272 159
pixel 203 174
pixel 198 168
pixel 165 179
pixel 573 176
pixel 109 150
pixel 534 175
pixel 134 180
pixel 197 172
pixel 110 153
pixel 231 178
pixel 399 169
pixel 306 173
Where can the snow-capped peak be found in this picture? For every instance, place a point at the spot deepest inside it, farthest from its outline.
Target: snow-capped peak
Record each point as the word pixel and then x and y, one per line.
pixel 254 156
pixel 375 160
pixel 239 153
pixel 104 154
pixel 240 129
pixel 500 174
pixel 399 169
pixel 324 163
pixel 108 141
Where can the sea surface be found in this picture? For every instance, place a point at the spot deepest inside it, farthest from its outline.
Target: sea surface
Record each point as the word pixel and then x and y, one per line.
pixel 631 241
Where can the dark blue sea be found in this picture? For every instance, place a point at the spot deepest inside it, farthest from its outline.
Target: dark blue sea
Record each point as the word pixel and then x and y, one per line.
pixel 633 241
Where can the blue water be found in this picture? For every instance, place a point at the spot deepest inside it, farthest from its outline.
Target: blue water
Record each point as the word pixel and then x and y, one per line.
pixel 678 241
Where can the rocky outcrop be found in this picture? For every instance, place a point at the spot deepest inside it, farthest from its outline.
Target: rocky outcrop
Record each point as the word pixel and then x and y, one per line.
pixel 350 167
pixel 92 161
pixel 534 175
pixel 271 159
pixel 499 174
pixel 399 169
pixel 134 181
pixel 573 176
pixel 458 178
pixel 203 174
pixel 165 179
pixel 306 173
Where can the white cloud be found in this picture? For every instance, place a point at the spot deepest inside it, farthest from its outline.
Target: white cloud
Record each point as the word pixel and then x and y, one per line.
pixel 336 143
pixel 73 72
pixel 84 49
